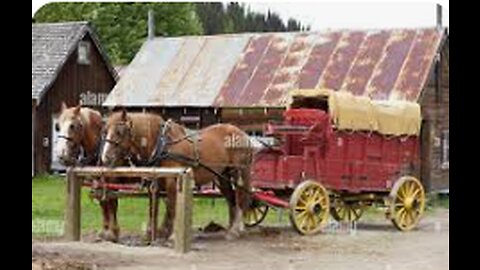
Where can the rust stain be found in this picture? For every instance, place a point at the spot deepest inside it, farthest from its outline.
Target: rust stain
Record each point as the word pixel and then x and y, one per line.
pixel 318 60
pixel 240 75
pixel 368 55
pixel 417 66
pixel 389 67
pixel 258 70
pixel 341 60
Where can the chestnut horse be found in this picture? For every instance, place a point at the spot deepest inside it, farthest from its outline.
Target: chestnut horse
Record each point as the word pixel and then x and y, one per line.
pixel 220 153
pixel 79 139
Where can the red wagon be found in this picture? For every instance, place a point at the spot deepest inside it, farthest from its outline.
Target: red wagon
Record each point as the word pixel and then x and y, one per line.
pixel 336 155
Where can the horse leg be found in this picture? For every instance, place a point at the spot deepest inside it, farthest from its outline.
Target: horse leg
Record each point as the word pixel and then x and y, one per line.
pixel 242 188
pixel 114 230
pixel 170 200
pixel 105 217
pixel 227 190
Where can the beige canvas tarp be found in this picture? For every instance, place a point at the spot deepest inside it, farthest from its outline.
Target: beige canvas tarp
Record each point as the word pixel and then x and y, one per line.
pixel 351 112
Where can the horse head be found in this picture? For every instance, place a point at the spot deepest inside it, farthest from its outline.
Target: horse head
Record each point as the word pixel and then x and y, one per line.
pixel 118 139
pixel 70 127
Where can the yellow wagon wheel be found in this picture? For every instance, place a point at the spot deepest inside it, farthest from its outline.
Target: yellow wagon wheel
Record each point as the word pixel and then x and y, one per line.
pixel 407 203
pixel 255 214
pixel 309 207
pixel 346 211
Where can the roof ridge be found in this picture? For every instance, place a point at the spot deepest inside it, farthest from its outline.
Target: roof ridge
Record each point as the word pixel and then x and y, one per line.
pixel 62 23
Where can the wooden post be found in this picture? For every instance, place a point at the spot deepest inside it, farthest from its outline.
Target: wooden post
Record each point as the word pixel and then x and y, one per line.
pixel 183 213
pixel 154 210
pixel 72 209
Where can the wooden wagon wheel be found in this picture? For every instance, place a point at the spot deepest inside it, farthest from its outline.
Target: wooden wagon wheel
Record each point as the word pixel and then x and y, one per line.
pixel 255 214
pixel 407 203
pixel 309 207
pixel 346 211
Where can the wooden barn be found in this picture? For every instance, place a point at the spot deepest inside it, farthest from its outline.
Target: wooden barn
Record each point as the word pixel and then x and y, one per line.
pixel 245 79
pixel 68 65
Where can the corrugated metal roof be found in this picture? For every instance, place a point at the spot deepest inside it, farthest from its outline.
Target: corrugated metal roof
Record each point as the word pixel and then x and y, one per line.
pixel 185 71
pixel 259 69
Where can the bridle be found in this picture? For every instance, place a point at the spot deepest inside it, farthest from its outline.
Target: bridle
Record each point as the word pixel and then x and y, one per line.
pixel 80 155
pixel 134 158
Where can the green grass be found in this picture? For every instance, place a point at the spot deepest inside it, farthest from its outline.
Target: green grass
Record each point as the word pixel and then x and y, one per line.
pixel 48 202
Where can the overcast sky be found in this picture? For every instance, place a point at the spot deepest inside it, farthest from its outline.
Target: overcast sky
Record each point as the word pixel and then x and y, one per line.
pixel 352 14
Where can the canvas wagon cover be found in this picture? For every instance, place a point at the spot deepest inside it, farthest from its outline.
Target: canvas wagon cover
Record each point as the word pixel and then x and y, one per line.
pixel 360 113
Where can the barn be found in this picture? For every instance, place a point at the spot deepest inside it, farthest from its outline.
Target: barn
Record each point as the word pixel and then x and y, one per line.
pixel 245 79
pixel 70 65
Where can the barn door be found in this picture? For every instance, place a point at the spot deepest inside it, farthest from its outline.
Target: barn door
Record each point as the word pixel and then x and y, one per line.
pixel 55 164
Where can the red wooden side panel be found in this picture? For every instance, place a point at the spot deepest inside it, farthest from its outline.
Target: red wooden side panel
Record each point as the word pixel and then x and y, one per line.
pixel 335 165
pixel 312 163
pixel 264 171
pixel 290 170
pixel 373 161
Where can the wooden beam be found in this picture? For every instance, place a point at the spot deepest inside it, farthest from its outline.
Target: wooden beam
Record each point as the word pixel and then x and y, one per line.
pixel 72 208
pixel 183 213
pixel 128 172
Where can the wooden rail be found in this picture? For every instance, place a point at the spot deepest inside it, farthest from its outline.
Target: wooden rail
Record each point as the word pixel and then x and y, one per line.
pixel 183 207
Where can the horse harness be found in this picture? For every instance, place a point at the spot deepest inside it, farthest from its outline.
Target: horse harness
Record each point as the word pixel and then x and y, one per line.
pixel 161 152
pixel 82 158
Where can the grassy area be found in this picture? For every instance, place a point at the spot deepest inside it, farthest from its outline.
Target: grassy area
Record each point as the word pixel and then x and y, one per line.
pixel 48 200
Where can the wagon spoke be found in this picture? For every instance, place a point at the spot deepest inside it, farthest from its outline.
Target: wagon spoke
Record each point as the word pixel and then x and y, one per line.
pixel 415 193
pixel 300 208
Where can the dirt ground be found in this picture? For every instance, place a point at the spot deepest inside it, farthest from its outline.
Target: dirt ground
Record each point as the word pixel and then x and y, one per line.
pixel 374 245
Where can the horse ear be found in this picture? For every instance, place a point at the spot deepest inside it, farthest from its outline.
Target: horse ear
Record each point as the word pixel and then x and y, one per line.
pixel 64 106
pixel 77 109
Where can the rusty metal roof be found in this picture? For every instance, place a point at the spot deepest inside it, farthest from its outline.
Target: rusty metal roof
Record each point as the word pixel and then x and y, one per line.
pixel 259 69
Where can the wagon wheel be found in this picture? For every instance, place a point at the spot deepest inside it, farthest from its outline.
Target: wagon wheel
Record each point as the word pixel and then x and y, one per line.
pixel 407 203
pixel 309 207
pixel 255 214
pixel 346 211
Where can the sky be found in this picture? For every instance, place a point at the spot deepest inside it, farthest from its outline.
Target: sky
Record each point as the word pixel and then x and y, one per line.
pixel 342 14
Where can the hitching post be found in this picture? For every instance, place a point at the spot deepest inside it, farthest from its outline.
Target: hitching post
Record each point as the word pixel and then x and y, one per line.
pixel 72 209
pixel 183 212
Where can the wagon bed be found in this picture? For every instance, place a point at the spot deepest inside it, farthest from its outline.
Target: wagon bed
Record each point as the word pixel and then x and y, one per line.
pixel 337 154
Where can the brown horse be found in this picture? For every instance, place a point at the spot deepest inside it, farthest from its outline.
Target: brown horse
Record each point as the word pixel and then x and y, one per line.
pixel 221 152
pixel 80 132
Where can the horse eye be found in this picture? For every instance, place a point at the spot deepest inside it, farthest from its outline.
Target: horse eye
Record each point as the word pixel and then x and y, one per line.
pixel 57 127
pixel 72 126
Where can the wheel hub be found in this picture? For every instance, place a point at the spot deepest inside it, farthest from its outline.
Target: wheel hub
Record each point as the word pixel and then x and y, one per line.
pixel 408 202
pixel 315 208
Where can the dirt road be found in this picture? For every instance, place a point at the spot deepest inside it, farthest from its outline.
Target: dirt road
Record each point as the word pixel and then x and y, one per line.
pixel 374 245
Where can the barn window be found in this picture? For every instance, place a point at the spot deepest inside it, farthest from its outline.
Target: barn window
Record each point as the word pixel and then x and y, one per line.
pixel 445 150
pixel 84 52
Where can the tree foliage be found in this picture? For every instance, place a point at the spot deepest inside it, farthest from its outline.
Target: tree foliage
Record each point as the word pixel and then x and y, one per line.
pixel 122 27
pixel 234 17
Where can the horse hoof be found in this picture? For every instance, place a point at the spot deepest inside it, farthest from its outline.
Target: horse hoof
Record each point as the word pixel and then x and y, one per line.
pixel 111 237
pixel 164 233
pixel 232 235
